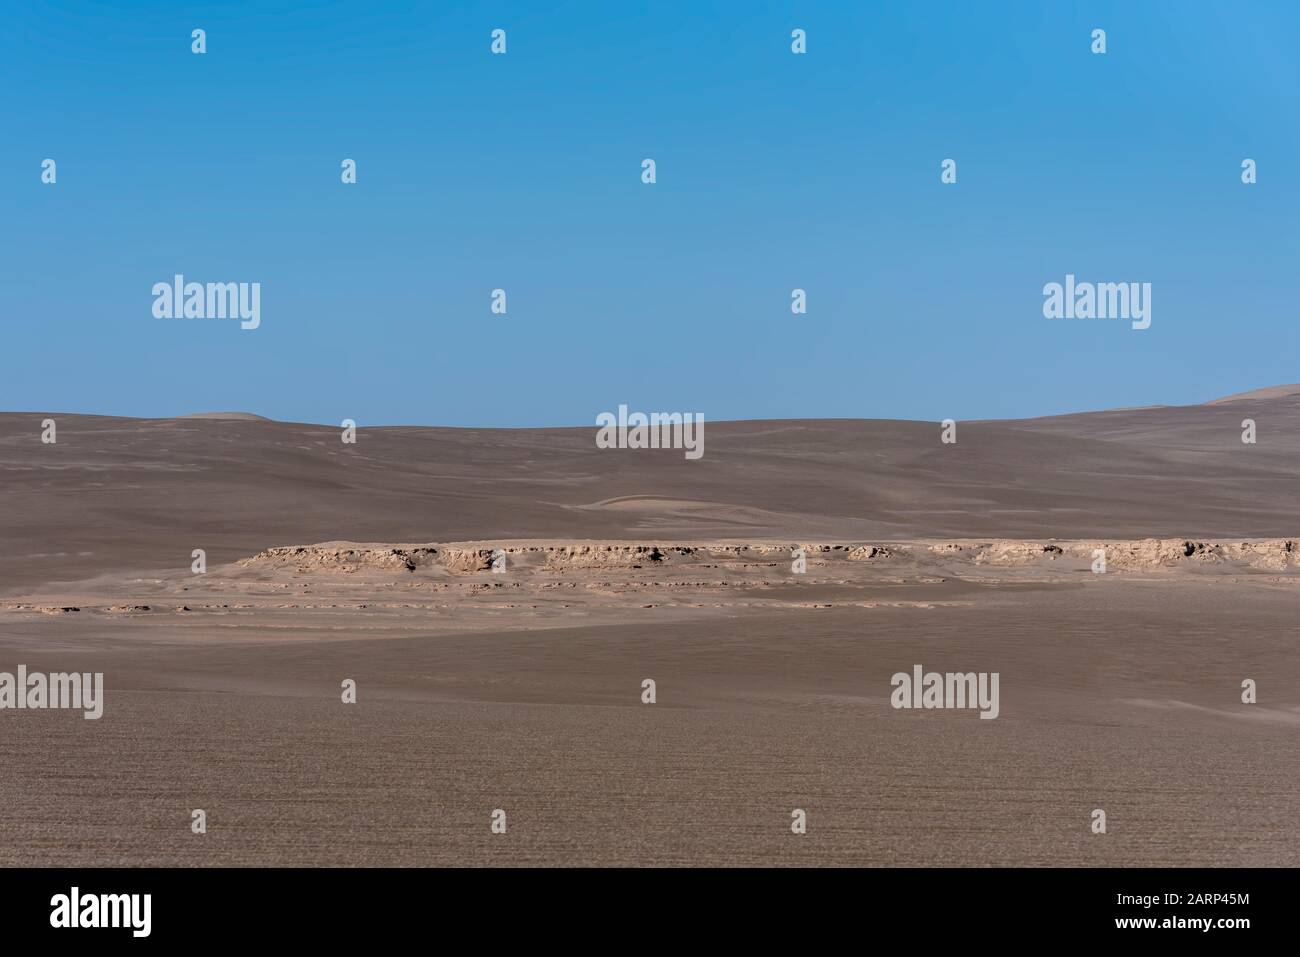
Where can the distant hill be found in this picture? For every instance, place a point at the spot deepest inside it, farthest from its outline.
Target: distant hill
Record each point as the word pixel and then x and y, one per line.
pixel 140 494
pixel 1272 392
pixel 242 416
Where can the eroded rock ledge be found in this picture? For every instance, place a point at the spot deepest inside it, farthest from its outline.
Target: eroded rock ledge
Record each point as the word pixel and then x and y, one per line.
pixel 1277 554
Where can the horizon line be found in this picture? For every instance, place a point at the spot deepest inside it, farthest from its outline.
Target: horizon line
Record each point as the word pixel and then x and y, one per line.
pixel 1262 394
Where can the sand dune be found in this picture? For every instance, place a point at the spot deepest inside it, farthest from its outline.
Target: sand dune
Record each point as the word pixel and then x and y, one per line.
pixel 1254 395
pixel 142 493
pixel 240 416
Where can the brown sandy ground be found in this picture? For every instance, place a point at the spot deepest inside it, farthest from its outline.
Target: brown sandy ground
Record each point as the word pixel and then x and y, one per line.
pixel 522 691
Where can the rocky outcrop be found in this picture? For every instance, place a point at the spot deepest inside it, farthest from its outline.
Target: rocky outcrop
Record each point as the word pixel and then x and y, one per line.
pixel 475 558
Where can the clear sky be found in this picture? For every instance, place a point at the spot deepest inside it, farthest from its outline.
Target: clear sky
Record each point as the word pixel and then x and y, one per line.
pixel 523 172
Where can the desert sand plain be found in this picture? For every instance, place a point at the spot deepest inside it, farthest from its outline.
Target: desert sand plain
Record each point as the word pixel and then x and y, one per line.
pixel 522 689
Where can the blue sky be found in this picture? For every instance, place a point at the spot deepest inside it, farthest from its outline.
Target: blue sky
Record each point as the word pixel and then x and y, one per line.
pixel 522 171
